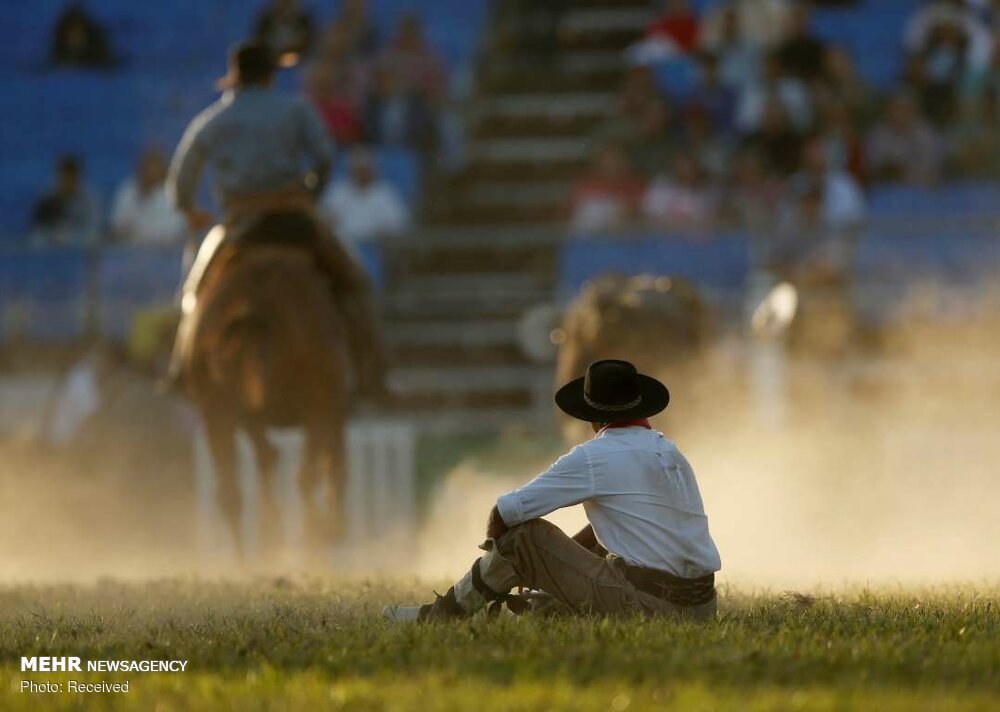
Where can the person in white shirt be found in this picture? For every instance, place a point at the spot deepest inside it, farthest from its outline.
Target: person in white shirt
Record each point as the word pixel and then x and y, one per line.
pixel 362 207
pixel 143 213
pixel 647 548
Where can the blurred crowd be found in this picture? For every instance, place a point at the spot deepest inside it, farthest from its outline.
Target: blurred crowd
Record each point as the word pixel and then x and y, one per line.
pixel 745 114
pixel 369 92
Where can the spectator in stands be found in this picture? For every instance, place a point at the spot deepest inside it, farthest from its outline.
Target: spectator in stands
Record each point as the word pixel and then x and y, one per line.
pixel 142 212
pixel 903 146
pixel 413 62
pixel 683 200
pixel 69 214
pixel 842 141
pixel 641 124
pixel 754 23
pixel 738 58
pixel 842 205
pixel 776 141
pixel 844 86
pixel 358 28
pixel 945 40
pixel 712 148
pixel 713 96
pixel 800 52
pixel 285 28
pixel 363 207
pixel 774 85
pixel 78 40
pixel 608 196
pixel 754 194
pixel 819 221
pixel 332 92
pixel 395 117
pixel 673 33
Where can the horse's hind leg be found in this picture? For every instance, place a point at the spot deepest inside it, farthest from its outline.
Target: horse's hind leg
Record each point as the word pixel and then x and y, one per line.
pixel 266 456
pixel 221 432
pixel 323 468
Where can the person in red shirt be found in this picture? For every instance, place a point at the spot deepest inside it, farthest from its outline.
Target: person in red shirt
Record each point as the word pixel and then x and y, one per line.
pixel 679 24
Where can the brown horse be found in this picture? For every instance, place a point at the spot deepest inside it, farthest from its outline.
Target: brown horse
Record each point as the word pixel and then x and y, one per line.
pixel 267 350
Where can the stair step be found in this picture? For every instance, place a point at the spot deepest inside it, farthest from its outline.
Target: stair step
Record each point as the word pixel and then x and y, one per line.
pixel 526 150
pixel 458 334
pixel 471 379
pixel 603 20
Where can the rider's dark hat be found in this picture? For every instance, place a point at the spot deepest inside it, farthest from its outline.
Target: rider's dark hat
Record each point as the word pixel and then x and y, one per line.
pixel 249 62
pixel 612 391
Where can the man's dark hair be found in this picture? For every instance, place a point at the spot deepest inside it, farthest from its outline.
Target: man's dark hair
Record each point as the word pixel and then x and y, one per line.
pixel 254 63
pixel 70 164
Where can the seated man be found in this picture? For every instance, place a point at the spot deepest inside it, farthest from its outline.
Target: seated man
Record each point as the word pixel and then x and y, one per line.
pixel 257 142
pixel 647 548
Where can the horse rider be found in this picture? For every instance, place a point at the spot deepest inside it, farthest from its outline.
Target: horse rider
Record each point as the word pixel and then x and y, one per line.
pixel 647 548
pixel 257 142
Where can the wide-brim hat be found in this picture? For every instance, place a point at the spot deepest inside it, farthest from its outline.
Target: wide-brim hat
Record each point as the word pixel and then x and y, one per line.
pixel 611 391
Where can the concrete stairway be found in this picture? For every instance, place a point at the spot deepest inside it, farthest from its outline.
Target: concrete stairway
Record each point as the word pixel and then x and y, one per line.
pixel 456 290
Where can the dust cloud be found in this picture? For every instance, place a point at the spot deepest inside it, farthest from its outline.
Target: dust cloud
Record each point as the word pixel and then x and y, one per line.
pixel 846 469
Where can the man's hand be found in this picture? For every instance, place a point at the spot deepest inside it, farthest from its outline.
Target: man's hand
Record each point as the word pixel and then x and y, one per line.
pixel 198 220
pixel 495 527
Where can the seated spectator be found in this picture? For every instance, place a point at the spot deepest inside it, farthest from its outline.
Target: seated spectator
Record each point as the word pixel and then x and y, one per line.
pixel 800 52
pixel 332 92
pixel 843 204
pixel 818 222
pixel 774 84
pixel 738 57
pixel 394 117
pixel 363 207
pixel 674 32
pixel 69 214
pixel 844 86
pixel 903 146
pixel 776 141
pixel 78 40
pixel 712 148
pixel 683 200
pixel 842 141
pixel 608 196
pixel 415 65
pixel 142 212
pixel 360 32
pixel 713 96
pixel 961 19
pixel 641 124
pixel 754 195
pixel 757 23
pixel 286 29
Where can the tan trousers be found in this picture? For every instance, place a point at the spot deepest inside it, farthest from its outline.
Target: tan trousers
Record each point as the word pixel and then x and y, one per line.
pixel 539 555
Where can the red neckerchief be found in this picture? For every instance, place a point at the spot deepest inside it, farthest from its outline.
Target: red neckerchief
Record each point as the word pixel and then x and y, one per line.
pixel 638 423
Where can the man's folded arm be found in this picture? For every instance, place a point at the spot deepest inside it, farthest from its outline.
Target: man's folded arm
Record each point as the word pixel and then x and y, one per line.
pixel 567 482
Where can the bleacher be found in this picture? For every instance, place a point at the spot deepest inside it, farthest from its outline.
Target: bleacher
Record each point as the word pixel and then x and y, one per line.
pixel 171 54
pixel 173 51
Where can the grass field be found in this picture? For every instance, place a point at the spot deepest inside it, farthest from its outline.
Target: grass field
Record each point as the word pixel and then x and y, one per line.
pixel 319 644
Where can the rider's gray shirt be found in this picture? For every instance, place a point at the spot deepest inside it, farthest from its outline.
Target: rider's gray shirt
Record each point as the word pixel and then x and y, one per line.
pixel 255 140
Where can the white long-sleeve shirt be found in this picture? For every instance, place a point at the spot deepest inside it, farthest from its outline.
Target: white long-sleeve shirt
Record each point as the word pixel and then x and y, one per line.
pixel 359 214
pixel 639 494
pixel 149 219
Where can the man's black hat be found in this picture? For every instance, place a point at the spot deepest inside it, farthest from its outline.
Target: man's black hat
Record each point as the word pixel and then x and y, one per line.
pixel 249 62
pixel 612 391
